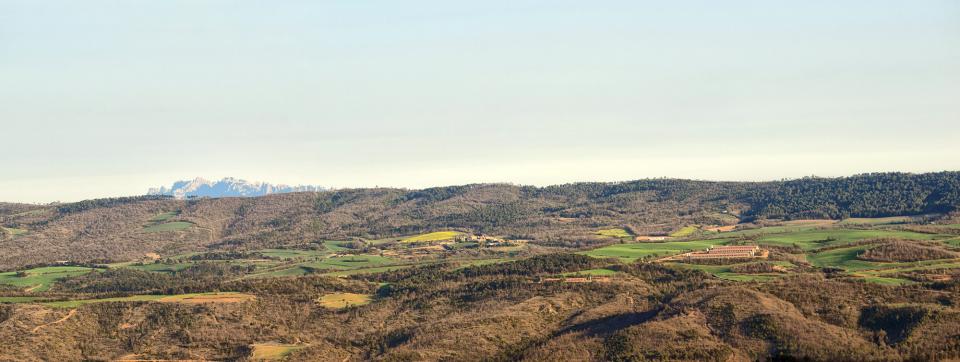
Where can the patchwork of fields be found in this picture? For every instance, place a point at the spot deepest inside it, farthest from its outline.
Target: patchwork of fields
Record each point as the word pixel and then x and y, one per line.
pixel 820 245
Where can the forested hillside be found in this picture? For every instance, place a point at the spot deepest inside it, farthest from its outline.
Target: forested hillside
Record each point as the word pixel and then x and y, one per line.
pixel 121 229
pixel 871 195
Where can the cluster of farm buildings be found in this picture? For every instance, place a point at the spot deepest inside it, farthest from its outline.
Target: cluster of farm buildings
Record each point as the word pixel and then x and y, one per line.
pixel 728 252
pixel 587 279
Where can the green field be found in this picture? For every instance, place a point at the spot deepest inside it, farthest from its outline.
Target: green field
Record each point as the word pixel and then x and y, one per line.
pixel 350 262
pixel 844 258
pixel 31 212
pixel 161 267
pixel 293 253
pixel 812 239
pixel 955 242
pixel 435 236
pixel 594 272
pixel 163 216
pixel 634 251
pixel 615 233
pixel 685 231
pixel 913 266
pixel 14 231
pixel 343 273
pixel 184 264
pixel 293 271
pixel 21 299
pixel 40 279
pixel 169 226
pixel 335 246
pixel 772 230
pixel 330 246
pixel 334 265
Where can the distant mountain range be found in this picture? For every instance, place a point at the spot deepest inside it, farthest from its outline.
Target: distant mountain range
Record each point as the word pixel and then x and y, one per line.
pixel 227 187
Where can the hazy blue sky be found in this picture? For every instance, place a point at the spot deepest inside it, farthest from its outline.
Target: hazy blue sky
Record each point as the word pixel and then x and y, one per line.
pixel 106 98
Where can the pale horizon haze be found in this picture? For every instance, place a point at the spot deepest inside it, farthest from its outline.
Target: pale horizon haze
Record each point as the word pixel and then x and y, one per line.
pixel 111 98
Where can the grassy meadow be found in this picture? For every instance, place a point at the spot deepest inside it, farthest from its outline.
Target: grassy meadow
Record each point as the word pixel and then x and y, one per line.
pixel 615 233
pixel 813 239
pixel 685 231
pixel 14 232
pixel 40 279
pixel 163 216
pixel 599 272
pixel 434 236
pixel 22 299
pixel 632 251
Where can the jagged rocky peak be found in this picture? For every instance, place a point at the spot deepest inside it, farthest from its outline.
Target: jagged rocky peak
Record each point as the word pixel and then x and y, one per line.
pixel 227 187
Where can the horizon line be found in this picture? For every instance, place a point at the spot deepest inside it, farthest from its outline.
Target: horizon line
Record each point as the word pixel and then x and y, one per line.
pixel 334 188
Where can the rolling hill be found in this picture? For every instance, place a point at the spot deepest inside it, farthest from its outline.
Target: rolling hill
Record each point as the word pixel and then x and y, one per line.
pixel 122 229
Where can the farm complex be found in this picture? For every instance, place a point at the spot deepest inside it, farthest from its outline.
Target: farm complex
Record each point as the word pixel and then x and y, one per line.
pixel 728 251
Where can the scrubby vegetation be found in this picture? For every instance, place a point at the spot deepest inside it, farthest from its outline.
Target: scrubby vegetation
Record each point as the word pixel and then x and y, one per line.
pixel 904 251
pixel 262 277
pixel 554 216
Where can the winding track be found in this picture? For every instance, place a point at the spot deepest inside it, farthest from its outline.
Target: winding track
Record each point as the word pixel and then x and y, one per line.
pixel 61 320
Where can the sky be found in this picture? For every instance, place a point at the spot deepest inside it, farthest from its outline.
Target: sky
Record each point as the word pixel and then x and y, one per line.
pixel 109 98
